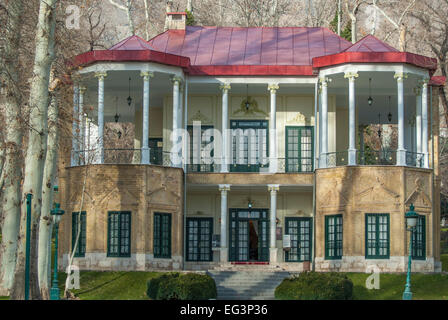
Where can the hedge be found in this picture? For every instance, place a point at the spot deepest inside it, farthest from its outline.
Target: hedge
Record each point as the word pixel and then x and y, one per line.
pixel 315 286
pixel 175 286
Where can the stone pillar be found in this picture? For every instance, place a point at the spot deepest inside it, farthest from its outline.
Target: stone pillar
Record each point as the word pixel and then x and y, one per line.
pixel 145 158
pixel 224 253
pixel 273 189
pixel 273 154
pixel 324 131
pixel 418 119
pixel 175 159
pixel 82 148
pixel 351 76
pixel 101 76
pixel 225 126
pixel 75 155
pixel 425 132
pixel 401 152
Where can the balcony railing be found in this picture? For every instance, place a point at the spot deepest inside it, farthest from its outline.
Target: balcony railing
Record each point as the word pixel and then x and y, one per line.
pixel 374 157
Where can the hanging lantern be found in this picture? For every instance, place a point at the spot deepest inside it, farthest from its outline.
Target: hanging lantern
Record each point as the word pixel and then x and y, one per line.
pixel 129 97
pixel 117 117
pixel 389 116
pixel 247 104
pixel 379 125
pixel 370 99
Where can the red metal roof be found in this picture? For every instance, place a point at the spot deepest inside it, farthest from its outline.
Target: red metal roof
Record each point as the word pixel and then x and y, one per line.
pixel 370 44
pixel 132 43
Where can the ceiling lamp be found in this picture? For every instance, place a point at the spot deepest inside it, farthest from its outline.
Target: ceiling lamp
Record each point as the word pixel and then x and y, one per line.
pixel 370 99
pixel 129 97
pixel 389 116
pixel 379 125
pixel 249 203
pixel 117 116
pixel 247 104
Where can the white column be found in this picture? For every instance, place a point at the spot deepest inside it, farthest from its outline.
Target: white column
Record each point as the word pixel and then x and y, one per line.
pixel 320 126
pixel 224 256
pixel 425 132
pixel 225 126
pixel 352 117
pixel 74 159
pixel 175 158
pixel 82 120
pixel 145 158
pixel 101 76
pixel 273 160
pixel 418 119
pixel 181 107
pixel 324 131
pixel 401 152
pixel 273 189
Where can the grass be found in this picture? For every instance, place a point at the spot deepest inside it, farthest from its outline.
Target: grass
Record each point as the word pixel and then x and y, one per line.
pixel 423 287
pixel 444 260
pixel 96 285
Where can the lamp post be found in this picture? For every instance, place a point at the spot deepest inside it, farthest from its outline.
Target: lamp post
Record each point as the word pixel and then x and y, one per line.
pixel 411 222
pixel 57 213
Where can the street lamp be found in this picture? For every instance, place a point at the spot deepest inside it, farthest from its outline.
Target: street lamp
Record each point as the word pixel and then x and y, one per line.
pixel 57 213
pixel 411 222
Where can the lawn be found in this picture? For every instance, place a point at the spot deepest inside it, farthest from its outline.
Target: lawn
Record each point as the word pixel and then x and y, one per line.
pixel 444 260
pixel 423 287
pixel 97 285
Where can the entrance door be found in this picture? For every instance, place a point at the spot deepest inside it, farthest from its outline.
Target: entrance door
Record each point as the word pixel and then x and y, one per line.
pixel 301 239
pixel 249 235
pixel 155 150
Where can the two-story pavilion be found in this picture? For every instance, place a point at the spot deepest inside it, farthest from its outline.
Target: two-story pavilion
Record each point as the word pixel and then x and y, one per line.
pixel 240 146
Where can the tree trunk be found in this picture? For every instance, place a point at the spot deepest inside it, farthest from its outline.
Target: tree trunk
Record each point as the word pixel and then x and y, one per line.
pixel 354 30
pixel 37 146
pixel 402 38
pixel 11 173
pixel 45 226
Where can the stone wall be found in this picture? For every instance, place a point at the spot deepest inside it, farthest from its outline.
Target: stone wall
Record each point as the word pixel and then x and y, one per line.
pixel 141 189
pixel 355 191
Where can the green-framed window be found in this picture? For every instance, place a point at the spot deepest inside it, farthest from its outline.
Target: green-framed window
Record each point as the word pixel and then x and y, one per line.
pixel 79 225
pixel 419 239
pixel 206 152
pixel 250 145
pixel 333 237
pixel 155 150
pixel 199 239
pixel 119 234
pixel 300 230
pixel 299 149
pixel 377 236
pixel 162 235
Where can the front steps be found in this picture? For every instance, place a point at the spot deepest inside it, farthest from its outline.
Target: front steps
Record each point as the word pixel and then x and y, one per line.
pixel 247 285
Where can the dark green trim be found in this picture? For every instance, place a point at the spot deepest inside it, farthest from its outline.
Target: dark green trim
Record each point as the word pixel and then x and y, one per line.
pixel 162 235
pixel 81 248
pixel 155 152
pixel 419 239
pixel 299 155
pixel 377 217
pixel 199 167
pixel 123 234
pixel 200 235
pixel 300 243
pixel 337 246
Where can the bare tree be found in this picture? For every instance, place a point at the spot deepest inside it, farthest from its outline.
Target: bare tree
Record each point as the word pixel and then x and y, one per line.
pixel 352 7
pixel 127 8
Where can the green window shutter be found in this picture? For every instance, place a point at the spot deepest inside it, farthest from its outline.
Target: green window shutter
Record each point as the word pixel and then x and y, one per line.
pixel 333 237
pixel 419 239
pixel 299 149
pixel 81 248
pixel 119 234
pixel 300 230
pixel 199 239
pixel 377 235
pixel 203 166
pixel 162 235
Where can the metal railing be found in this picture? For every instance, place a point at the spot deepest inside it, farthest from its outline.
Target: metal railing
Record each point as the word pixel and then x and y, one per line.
pixel 375 157
pixel 336 159
pixel 414 159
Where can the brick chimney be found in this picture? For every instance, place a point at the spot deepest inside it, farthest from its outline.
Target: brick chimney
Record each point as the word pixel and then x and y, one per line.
pixel 174 20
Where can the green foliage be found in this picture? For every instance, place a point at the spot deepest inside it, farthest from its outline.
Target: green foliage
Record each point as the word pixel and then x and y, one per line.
pixel 444 242
pixel 316 286
pixel 176 286
pixel 444 260
pixel 346 33
pixel 334 23
pixel 154 283
pixel 190 18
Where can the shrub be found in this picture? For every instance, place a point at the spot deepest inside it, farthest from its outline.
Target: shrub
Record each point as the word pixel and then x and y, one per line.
pixel 154 283
pixel 444 242
pixel 189 286
pixel 315 286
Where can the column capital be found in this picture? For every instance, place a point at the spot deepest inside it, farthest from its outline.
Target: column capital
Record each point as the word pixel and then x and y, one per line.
pixel 417 91
pixel 176 79
pixel 351 76
pixel 225 87
pixel 147 75
pixel 273 187
pixel 82 90
pixel 101 75
pixel 324 81
pixel 424 81
pixel 273 87
pixel 224 187
pixel 400 76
